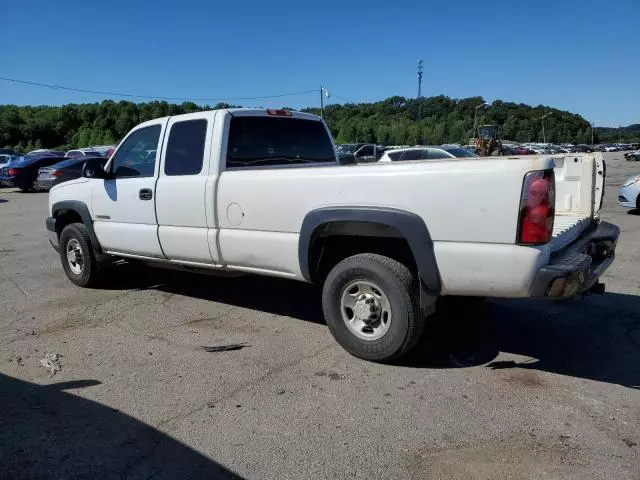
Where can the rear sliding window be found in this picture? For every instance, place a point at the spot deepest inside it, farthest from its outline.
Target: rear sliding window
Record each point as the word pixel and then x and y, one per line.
pixel 268 141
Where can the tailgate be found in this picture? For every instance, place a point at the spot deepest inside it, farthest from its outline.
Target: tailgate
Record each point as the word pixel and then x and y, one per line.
pixel 579 191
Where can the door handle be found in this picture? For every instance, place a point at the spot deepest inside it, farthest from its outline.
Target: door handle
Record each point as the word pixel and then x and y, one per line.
pixel 145 194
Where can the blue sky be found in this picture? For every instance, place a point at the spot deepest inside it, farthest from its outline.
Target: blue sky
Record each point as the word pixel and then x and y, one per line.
pixel 578 55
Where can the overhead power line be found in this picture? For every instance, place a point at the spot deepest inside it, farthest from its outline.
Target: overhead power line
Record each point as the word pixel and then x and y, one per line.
pixel 152 97
pixel 341 98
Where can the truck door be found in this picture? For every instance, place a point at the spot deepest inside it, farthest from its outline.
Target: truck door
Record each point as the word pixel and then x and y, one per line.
pixel 123 207
pixel 185 191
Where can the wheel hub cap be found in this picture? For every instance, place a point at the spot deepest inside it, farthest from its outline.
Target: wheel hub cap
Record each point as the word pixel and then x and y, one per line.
pixel 365 309
pixel 75 257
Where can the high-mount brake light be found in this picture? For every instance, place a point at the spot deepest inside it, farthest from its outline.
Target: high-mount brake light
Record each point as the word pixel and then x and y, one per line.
pixel 279 113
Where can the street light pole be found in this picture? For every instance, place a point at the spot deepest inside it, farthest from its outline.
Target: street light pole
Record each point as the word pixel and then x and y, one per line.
pixel 544 137
pixel 475 116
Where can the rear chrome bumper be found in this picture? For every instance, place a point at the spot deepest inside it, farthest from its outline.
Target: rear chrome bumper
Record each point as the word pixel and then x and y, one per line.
pixel 53 235
pixel 578 268
pixel 45 184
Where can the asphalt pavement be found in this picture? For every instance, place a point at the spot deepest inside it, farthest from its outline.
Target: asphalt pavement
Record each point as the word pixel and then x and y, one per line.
pixel 512 389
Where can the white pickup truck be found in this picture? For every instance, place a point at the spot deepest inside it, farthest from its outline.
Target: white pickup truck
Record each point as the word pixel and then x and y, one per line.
pixel 262 191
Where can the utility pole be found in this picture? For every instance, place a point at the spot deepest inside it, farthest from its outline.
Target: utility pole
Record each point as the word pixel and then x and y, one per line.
pixel 419 96
pixel 419 79
pixel 475 115
pixel 591 133
pixel 544 137
pixel 323 92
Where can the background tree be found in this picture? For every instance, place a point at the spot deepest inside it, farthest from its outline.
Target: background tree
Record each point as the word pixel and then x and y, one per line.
pixel 394 121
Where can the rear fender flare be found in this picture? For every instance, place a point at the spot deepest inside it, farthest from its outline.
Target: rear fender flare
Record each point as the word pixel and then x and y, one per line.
pixel 408 224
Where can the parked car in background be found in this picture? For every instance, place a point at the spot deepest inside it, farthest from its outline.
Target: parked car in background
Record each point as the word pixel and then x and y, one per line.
pixel 68 169
pixel 415 153
pixel 632 156
pixel 629 193
pixel 4 159
pixel 10 151
pixel 583 149
pixel 49 151
pixel 82 153
pixel 23 173
pixel 540 150
pixel 458 151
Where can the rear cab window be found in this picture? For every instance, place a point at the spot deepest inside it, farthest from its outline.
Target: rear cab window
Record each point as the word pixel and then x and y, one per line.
pixel 277 141
pixel 185 148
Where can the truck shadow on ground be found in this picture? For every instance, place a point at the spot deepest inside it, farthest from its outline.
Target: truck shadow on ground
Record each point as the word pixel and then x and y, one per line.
pixel 595 338
pixel 267 294
pixel 48 433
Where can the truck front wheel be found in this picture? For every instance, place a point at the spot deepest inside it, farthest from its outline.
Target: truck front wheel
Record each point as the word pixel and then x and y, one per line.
pixel 370 305
pixel 76 254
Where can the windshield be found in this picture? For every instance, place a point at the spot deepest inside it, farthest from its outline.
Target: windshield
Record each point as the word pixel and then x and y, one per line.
pixel 258 141
pixel 459 152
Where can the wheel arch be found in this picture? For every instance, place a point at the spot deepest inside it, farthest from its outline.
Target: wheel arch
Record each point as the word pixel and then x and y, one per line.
pixel 70 211
pixel 409 227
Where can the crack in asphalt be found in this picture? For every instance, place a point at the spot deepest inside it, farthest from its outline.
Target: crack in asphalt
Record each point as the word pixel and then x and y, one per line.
pixel 22 290
pixel 242 387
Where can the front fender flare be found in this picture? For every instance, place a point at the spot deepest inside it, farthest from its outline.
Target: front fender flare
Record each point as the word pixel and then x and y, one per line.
pixel 81 209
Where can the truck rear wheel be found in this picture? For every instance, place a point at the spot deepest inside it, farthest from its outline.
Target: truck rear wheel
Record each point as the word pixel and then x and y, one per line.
pixel 76 254
pixel 370 305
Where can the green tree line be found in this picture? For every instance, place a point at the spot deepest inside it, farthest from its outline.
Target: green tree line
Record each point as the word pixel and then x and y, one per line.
pixel 394 121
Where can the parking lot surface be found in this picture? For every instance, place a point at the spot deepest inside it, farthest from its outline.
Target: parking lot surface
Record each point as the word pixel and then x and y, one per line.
pixel 516 389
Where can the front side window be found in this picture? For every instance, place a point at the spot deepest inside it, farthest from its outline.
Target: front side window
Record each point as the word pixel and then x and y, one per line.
pixel 185 148
pixel 268 141
pixel 136 157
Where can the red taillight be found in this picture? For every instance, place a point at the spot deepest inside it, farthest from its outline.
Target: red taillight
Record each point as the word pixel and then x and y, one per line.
pixel 55 173
pixel 279 113
pixel 537 208
pixel 12 172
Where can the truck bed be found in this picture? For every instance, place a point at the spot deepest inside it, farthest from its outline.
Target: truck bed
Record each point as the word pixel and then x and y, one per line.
pixel 567 227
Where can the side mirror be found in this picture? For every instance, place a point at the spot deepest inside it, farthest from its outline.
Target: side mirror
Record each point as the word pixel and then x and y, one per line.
pixel 348 159
pixel 94 168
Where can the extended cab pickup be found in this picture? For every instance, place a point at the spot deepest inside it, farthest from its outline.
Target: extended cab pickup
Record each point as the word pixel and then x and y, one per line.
pixel 262 191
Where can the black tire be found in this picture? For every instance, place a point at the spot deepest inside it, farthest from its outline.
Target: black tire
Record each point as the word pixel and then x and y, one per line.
pixel 88 275
pixel 399 285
